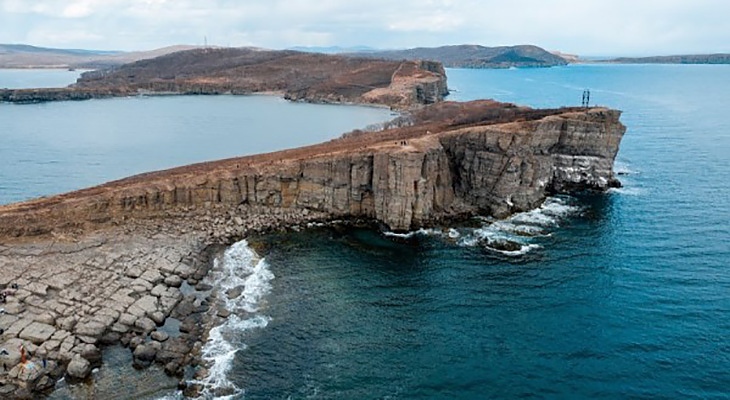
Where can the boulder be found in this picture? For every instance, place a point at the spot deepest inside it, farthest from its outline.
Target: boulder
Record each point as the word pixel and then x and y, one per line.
pixel 145 324
pixel 91 353
pixel 235 292
pixel 127 319
pixel 158 317
pixel 173 281
pixel 159 336
pixel 79 367
pixel 145 352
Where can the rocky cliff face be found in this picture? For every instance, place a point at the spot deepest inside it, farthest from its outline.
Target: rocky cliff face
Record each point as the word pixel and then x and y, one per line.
pixel 403 178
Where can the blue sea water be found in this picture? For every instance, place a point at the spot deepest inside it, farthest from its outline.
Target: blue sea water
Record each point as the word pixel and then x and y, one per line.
pixel 35 78
pixel 57 147
pixel 617 295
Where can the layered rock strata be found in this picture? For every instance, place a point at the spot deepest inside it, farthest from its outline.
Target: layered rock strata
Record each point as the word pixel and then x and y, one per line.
pixel 114 263
pixel 403 178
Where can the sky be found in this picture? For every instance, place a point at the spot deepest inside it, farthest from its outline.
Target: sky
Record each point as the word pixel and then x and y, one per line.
pixel 587 27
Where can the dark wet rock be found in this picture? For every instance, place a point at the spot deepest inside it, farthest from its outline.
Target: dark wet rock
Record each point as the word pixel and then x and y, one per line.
pixel 203 287
pixel 503 245
pixel 193 390
pixel 110 338
pixel 135 342
pixel 187 325
pixel 23 393
pixel 184 308
pixel 174 368
pixel 223 312
pixel 145 352
pixel 235 292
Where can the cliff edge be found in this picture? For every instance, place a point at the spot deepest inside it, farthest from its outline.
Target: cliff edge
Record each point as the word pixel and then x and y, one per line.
pixel 106 265
pixel 455 159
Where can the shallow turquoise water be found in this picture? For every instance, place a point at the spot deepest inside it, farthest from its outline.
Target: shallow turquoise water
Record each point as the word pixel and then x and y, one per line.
pixel 622 295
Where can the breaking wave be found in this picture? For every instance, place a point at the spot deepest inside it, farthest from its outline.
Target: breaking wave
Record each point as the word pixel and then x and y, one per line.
pixel 513 236
pixel 516 235
pixel 243 279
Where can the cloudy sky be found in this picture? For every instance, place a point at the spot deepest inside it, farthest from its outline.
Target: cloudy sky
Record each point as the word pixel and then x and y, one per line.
pixel 587 27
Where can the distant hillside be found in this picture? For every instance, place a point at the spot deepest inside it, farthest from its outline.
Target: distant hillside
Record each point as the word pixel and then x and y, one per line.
pixel 475 56
pixel 25 56
pixel 332 49
pixel 721 58
pixel 295 75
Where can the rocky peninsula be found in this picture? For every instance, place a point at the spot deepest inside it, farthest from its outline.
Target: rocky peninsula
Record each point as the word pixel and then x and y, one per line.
pixel 294 75
pixel 120 262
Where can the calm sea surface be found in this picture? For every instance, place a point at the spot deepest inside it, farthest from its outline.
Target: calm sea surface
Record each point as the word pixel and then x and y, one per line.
pixel 34 78
pixel 57 147
pixel 620 295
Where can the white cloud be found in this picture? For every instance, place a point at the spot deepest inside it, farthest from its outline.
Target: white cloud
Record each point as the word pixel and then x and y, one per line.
pixel 586 27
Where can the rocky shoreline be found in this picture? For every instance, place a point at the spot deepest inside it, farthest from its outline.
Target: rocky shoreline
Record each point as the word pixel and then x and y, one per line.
pixel 119 286
pixel 117 263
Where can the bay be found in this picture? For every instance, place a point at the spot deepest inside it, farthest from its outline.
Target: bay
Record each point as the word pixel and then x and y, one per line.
pixel 37 78
pixel 57 147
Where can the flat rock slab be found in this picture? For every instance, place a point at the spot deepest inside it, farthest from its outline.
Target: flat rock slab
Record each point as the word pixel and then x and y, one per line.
pixel 37 332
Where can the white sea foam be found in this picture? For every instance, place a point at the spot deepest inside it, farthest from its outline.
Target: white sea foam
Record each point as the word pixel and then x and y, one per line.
pixel 622 168
pixel 629 191
pixel 520 230
pixel 241 267
pixel 408 235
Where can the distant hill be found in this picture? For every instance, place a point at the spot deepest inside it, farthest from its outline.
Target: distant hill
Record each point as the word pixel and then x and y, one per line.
pixel 720 58
pixel 295 75
pixel 25 56
pixel 332 49
pixel 474 56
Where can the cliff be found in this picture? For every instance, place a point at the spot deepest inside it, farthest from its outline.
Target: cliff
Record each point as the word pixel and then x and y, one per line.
pixel 106 265
pixel 456 159
pixel 295 75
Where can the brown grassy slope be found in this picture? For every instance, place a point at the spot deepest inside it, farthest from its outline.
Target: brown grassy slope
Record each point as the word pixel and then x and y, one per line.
pixel 309 76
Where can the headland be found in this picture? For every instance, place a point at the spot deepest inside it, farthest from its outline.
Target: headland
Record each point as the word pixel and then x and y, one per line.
pixel 297 76
pixel 115 263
